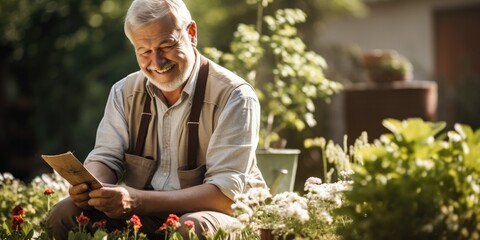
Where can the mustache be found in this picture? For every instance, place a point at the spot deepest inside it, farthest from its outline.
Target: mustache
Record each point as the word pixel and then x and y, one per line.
pixel 167 66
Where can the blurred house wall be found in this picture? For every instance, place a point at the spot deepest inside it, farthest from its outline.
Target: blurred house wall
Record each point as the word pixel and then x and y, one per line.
pixel 404 25
pixel 408 26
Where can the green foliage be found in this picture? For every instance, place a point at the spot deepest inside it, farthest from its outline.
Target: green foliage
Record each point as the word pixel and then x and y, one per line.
pixel 336 158
pixel 417 182
pixel 217 20
pixel 61 58
pixel 414 184
pixel 6 232
pixel 356 8
pixel 287 77
pixel 32 198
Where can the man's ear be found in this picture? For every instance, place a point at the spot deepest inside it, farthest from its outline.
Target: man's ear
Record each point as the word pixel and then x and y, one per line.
pixel 192 33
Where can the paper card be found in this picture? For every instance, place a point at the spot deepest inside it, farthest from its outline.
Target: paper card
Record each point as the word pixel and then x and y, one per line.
pixel 68 166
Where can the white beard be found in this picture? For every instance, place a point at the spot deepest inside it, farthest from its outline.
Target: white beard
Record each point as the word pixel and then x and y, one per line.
pixel 170 86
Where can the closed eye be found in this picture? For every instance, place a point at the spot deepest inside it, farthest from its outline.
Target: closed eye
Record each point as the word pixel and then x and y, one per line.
pixel 144 53
pixel 168 47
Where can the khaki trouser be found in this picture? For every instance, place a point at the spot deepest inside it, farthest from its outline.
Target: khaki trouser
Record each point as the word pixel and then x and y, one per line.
pixel 62 219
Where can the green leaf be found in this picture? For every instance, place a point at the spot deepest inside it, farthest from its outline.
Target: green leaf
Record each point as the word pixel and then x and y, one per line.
pixel 99 235
pixel 393 125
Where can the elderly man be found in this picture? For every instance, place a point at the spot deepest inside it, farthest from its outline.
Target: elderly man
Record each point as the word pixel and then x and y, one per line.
pixel 178 136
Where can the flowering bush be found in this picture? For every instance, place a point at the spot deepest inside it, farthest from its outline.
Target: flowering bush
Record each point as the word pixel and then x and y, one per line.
pixel 290 214
pixel 30 203
pixel 308 216
pixel 413 183
pixel 81 233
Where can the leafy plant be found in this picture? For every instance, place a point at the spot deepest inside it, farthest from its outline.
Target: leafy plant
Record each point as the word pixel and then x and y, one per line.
pixel 30 203
pixel 387 65
pixel 287 77
pixel 336 158
pixel 416 184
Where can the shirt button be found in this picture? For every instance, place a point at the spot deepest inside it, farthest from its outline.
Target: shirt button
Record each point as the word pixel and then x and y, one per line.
pixel 165 174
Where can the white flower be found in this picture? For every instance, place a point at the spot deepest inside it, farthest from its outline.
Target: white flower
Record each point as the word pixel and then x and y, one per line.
pixel 243 208
pixel 244 218
pixel 328 218
pixel 8 176
pixel 258 194
pixel 313 180
pixel 241 197
pixel 346 173
pixel 297 210
pixel 234 226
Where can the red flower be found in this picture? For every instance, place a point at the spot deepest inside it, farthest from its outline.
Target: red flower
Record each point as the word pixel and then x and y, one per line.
pixel 48 191
pixel 174 217
pixel 82 219
pixel 100 224
pixel 18 210
pixel 135 221
pixel 189 225
pixel 17 220
pixel 171 224
pixel 173 221
pixel 163 227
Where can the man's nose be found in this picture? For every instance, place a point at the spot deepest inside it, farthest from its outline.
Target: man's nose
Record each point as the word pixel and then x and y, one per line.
pixel 159 59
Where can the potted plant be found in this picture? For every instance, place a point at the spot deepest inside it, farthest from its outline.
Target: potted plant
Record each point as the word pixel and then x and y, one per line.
pixel 288 79
pixel 387 66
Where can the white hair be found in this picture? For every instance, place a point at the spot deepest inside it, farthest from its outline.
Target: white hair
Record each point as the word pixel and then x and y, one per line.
pixel 142 12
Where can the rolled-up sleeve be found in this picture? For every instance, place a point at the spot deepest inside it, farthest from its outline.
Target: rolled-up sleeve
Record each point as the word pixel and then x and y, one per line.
pixel 112 134
pixel 231 151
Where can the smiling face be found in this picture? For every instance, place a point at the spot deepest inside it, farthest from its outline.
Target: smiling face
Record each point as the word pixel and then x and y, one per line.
pixel 165 52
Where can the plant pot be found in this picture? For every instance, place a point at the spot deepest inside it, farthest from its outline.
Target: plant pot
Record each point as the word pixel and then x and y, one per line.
pixel 279 168
pixel 266 234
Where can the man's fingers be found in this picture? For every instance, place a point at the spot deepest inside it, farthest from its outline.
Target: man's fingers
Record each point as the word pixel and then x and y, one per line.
pixel 101 204
pixel 78 189
pixel 104 192
pixel 80 197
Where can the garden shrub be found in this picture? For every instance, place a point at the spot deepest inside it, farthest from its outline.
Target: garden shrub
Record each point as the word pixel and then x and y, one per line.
pixel 415 183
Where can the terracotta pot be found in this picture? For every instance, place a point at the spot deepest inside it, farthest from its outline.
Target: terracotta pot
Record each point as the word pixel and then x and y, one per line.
pixel 266 234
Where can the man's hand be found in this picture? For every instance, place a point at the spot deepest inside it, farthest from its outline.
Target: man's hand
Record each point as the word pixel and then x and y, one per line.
pixel 115 201
pixel 79 195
